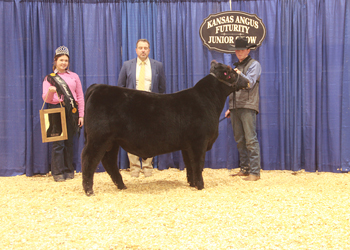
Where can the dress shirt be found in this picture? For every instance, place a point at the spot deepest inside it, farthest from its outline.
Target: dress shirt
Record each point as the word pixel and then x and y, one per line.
pixel 148 74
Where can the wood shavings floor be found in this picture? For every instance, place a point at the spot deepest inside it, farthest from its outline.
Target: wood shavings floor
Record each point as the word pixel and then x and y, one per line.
pixel 283 210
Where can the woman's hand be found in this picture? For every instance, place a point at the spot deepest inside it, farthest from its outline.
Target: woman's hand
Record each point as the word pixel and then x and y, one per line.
pixel 52 89
pixel 81 121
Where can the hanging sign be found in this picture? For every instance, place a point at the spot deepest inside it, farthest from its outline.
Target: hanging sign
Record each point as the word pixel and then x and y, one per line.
pixel 219 31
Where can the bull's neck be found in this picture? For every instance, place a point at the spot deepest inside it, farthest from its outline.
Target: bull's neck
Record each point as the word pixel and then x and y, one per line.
pixel 214 91
pixel 227 88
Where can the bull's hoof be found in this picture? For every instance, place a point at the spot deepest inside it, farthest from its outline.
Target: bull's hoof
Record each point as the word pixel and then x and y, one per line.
pixel 122 187
pixel 200 186
pixel 192 184
pixel 89 193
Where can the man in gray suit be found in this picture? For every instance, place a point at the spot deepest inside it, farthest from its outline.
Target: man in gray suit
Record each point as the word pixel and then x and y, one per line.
pixel 145 74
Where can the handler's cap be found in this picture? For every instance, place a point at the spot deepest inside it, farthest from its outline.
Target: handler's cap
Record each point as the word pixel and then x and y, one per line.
pixel 62 50
pixel 241 43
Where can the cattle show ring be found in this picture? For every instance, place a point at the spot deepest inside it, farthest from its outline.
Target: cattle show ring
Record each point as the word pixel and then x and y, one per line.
pixel 198 195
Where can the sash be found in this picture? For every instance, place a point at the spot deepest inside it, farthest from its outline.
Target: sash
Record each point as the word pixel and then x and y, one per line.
pixel 70 104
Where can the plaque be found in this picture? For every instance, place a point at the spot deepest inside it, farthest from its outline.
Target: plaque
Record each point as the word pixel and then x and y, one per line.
pixel 219 31
pixel 53 124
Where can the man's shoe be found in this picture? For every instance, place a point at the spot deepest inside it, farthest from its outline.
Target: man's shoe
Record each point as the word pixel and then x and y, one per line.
pixel 147 173
pixel 135 174
pixel 252 177
pixel 59 178
pixel 240 174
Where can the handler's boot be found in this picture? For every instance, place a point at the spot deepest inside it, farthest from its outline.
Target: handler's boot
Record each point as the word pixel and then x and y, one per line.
pixel 239 174
pixel 252 177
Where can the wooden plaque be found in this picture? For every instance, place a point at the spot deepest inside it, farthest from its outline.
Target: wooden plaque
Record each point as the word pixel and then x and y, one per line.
pixel 53 124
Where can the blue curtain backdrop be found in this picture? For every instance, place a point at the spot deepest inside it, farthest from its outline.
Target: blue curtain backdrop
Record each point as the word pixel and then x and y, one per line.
pixel 304 122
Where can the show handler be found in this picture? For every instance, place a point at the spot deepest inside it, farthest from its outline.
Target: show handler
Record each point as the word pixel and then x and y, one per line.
pixel 243 108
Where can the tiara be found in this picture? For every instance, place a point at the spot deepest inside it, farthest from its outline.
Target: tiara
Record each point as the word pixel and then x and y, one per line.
pixel 62 50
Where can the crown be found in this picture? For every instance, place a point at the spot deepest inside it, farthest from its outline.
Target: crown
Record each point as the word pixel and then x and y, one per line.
pixel 62 50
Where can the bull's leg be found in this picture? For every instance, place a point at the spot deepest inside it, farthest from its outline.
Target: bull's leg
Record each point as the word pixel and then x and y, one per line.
pixel 90 157
pixel 197 157
pixel 189 172
pixel 110 163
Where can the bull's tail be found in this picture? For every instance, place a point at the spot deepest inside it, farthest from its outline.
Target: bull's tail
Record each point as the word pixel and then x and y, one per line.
pixel 89 91
pixel 87 95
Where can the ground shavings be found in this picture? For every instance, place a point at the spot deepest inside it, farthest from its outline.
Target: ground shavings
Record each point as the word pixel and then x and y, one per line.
pixel 283 210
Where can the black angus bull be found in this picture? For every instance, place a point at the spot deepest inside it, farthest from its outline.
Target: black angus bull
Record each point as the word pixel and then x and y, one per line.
pixel 148 124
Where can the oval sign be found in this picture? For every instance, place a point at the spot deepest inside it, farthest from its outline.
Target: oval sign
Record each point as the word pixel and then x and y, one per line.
pixel 219 31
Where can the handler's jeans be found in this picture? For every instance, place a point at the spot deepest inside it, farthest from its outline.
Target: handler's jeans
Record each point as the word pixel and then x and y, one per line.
pixel 244 130
pixel 62 152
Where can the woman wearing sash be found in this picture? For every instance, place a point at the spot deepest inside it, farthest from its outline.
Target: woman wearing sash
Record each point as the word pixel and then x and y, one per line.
pixel 67 85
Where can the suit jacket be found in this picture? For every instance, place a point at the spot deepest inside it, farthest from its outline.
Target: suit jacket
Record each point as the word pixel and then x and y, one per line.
pixel 127 75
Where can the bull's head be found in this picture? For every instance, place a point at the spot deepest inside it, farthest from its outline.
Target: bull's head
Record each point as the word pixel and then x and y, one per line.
pixel 226 74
